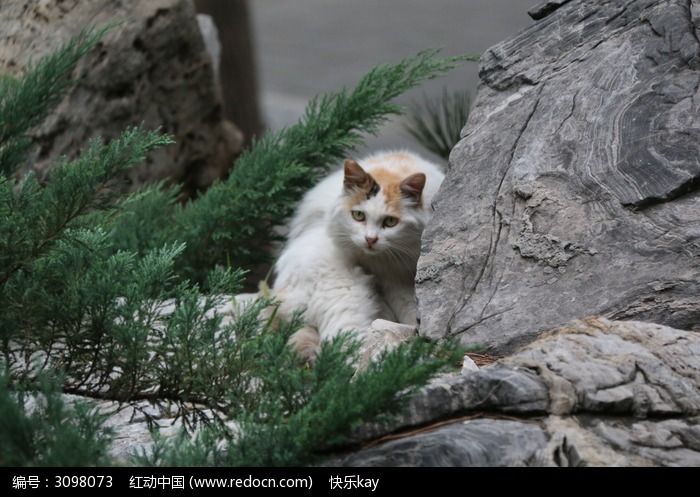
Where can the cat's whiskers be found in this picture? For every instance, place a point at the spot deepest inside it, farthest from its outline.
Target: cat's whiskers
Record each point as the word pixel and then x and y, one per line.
pixel 402 258
pixel 406 249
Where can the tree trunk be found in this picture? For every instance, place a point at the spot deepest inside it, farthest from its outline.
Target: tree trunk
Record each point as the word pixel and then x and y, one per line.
pixel 238 77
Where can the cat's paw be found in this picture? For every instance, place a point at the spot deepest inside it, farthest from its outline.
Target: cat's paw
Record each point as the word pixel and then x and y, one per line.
pixel 306 342
pixel 382 336
pixel 396 332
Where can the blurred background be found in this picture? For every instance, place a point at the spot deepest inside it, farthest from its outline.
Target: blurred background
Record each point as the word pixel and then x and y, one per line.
pixel 304 47
pixel 269 58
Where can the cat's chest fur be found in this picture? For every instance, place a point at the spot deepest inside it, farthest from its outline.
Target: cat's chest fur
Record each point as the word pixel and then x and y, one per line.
pixel 354 243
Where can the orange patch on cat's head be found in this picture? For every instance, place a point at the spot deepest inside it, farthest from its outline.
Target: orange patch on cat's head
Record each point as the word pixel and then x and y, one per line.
pixel 396 187
pixel 389 184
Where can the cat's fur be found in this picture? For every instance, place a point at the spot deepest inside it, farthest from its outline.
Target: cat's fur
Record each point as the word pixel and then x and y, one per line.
pixel 343 272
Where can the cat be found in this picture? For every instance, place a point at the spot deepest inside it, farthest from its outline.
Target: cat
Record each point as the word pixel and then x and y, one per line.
pixel 353 247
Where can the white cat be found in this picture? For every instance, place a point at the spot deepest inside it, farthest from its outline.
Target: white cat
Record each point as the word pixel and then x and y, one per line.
pixel 353 246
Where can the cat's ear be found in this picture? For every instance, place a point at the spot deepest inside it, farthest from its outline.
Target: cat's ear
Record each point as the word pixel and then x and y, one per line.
pixel 412 187
pixel 357 178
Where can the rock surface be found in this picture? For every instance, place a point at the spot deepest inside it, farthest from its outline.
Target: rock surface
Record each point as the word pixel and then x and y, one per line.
pixel 593 392
pixel 575 189
pixel 152 68
pixel 545 8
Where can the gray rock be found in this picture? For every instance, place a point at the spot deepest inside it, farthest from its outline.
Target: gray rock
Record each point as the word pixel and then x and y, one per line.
pixel 575 189
pixel 596 365
pixel 468 365
pixel 593 392
pixel 479 442
pixel 587 441
pixel 152 68
pixel 543 9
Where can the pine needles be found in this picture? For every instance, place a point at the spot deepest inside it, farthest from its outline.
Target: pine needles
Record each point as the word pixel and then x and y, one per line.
pixel 301 415
pixel 37 428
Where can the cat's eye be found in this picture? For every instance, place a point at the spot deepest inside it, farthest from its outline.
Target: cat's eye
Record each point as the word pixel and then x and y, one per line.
pixel 390 221
pixel 358 216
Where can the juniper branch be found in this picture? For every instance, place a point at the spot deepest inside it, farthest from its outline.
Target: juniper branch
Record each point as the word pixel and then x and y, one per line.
pixel 271 177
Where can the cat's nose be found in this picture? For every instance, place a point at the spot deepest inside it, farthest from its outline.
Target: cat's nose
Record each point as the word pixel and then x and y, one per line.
pixel 371 240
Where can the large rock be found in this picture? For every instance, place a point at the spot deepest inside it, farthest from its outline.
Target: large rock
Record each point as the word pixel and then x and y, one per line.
pixel 593 392
pixel 575 189
pixel 151 68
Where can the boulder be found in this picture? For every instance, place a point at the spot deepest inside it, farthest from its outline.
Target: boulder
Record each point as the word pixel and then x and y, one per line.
pixel 593 392
pixel 151 68
pixel 575 189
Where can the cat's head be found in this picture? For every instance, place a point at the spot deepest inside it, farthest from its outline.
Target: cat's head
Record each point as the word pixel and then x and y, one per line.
pixel 380 211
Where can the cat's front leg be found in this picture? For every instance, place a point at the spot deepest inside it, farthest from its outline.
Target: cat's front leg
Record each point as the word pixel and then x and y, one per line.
pixel 350 312
pixel 346 302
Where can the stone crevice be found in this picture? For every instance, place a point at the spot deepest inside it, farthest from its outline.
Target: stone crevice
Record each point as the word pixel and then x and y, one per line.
pixel 570 114
pixel 691 185
pixel 483 318
pixel 542 10
pixel 620 12
pixel 694 28
pixel 498 226
pixel 646 21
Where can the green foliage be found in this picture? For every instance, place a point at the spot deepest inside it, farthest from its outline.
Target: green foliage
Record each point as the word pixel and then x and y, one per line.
pixel 38 429
pixel 298 414
pixel 233 222
pixel 437 123
pixel 34 218
pixel 123 295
